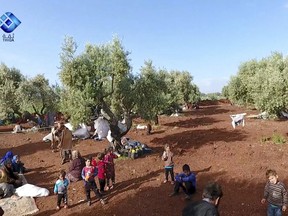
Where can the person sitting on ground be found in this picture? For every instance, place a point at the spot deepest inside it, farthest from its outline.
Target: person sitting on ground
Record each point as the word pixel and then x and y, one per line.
pixel 76 166
pixel 8 155
pixel 208 205
pixel 12 178
pixel 8 189
pixel 17 165
pixel 186 180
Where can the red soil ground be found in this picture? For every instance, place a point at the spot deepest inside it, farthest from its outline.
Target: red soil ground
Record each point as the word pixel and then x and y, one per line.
pixel 203 138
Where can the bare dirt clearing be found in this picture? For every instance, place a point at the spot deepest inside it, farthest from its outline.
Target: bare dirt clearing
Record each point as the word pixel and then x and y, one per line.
pixel 203 138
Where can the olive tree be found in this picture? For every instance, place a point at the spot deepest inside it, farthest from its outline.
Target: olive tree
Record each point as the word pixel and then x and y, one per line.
pixel 100 75
pixel 10 79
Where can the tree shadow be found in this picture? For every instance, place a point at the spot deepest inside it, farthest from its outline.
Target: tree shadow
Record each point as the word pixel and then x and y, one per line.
pixel 192 122
pixel 240 197
pixel 157 132
pixel 203 170
pixel 207 110
pixel 197 138
pixel 27 148
pixel 36 176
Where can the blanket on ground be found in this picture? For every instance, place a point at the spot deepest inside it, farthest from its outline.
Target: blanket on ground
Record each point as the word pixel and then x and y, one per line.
pixel 19 206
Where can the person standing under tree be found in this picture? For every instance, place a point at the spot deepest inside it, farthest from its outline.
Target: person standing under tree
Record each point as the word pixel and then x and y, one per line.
pixel 65 144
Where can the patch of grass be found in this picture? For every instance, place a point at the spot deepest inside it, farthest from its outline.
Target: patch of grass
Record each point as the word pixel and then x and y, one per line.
pixel 278 139
pixel 265 139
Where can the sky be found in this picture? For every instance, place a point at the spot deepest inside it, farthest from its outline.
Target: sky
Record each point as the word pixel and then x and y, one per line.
pixel 208 38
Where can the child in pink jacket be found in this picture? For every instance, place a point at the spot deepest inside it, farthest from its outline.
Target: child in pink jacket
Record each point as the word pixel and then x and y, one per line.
pixel 110 169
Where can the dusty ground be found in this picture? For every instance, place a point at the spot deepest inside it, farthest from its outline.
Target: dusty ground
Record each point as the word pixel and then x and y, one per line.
pixel 202 138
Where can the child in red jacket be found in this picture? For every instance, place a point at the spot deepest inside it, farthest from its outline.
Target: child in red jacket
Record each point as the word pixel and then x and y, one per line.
pixel 101 165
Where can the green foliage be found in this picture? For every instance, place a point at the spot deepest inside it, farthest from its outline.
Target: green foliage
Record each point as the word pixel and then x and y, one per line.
pixel 262 84
pixel 278 139
pixel 151 89
pixel 37 95
pixel 212 96
pixel 10 79
pixel 100 75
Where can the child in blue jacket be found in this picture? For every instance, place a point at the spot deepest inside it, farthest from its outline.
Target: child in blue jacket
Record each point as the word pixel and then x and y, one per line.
pixel 60 189
pixel 185 180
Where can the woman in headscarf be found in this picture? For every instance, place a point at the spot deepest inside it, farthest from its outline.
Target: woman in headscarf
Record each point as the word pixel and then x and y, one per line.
pixel 8 155
pixel 7 189
pixel 10 176
pixel 17 165
pixel 76 166
pixel 6 182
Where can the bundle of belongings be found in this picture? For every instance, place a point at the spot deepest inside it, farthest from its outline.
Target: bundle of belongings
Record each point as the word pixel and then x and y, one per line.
pixel 238 119
pixel 133 149
pixel 82 132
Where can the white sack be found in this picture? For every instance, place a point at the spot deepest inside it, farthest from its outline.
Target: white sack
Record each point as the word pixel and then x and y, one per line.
pixel 81 133
pixel 17 129
pixel 141 127
pixel 69 126
pixel 48 137
pixel 29 190
pixel 109 137
pixel 102 127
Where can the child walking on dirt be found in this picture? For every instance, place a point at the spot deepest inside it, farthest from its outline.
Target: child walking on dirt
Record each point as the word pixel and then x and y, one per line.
pixel 167 157
pixel 60 189
pixel 110 167
pixel 275 194
pixel 101 165
pixel 89 173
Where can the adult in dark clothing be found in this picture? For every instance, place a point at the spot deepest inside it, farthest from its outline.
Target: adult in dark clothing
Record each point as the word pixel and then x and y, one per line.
pixel 11 177
pixel 208 206
pixel 76 166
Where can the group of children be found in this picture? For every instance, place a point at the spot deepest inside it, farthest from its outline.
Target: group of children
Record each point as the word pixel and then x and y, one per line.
pixel 275 193
pixel 102 168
